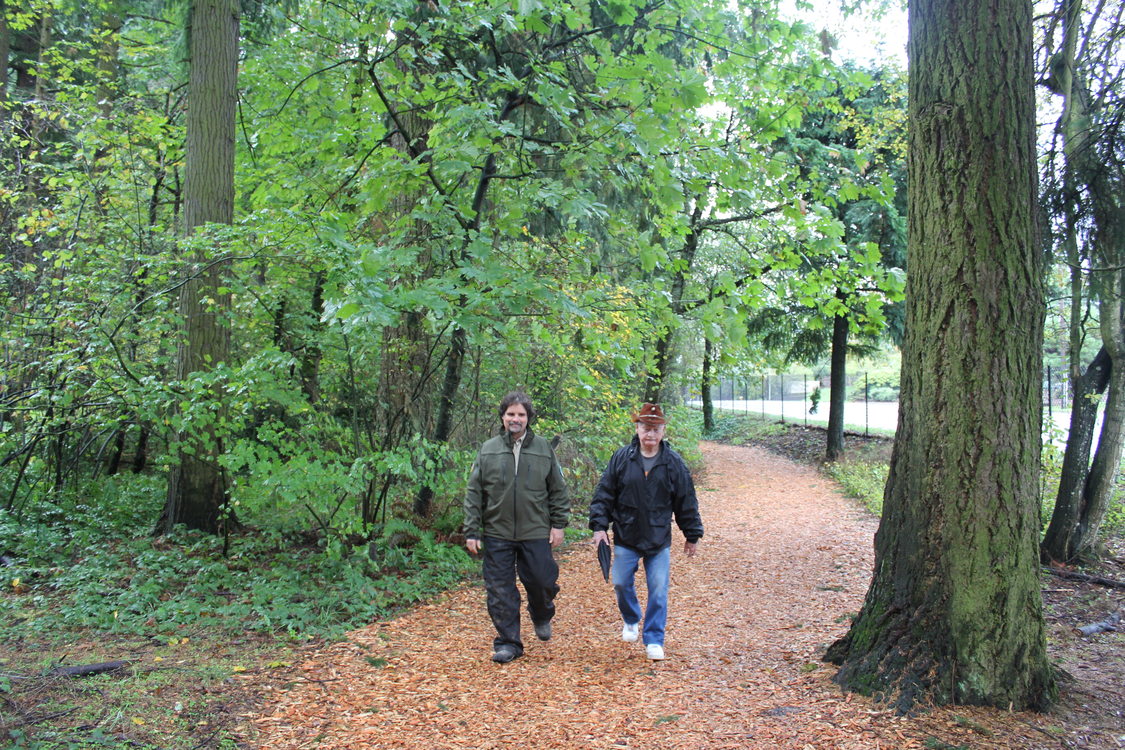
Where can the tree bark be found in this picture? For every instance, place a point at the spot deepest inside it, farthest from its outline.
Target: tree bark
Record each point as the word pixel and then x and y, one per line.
pixel 1063 532
pixel 954 610
pixel 5 53
pixel 705 390
pixel 838 390
pixel 658 375
pixel 1085 488
pixel 1107 457
pixel 196 486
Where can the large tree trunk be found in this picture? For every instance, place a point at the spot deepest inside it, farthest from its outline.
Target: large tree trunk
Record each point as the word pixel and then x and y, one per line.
pixel 838 390
pixel 1060 543
pixel 196 486
pixel 954 611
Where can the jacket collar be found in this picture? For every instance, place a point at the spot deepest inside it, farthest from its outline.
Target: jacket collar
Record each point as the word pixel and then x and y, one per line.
pixel 507 436
pixel 635 448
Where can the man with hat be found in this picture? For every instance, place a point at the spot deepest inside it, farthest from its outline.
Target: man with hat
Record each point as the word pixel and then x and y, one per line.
pixel 645 484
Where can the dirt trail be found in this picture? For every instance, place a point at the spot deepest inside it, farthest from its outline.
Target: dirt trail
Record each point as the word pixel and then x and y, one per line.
pixel 784 561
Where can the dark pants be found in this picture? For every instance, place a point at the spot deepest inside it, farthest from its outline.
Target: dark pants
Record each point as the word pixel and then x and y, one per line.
pixel 538 572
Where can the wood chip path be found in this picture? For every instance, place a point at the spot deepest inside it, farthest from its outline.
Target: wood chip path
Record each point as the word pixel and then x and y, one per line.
pixel 785 559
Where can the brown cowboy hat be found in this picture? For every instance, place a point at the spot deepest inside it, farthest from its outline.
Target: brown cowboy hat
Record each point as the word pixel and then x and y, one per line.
pixel 650 414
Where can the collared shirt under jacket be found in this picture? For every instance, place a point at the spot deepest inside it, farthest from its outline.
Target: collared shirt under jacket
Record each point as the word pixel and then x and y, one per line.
pixel 639 507
pixel 521 505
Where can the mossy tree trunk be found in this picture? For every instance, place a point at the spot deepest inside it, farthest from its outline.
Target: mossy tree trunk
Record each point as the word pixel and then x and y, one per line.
pixel 196 486
pixel 954 611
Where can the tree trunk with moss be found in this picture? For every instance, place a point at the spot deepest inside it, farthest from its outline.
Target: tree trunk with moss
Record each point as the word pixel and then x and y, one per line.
pixel 196 486
pixel 954 611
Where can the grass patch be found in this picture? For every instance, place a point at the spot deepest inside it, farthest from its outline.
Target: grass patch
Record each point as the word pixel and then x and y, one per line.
pixel 861 480
pixel 739 429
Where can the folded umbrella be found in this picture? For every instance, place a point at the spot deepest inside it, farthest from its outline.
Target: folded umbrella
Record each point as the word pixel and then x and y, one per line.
pixel 605 554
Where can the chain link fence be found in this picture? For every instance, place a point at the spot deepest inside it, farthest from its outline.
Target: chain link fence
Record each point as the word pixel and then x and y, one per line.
pixel 871 404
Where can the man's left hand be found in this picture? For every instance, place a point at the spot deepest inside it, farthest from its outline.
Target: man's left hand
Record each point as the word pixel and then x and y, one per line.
pixel 556 537
pixel 689 548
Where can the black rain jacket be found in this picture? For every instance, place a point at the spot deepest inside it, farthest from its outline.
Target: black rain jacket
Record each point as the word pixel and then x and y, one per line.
pixel 640 508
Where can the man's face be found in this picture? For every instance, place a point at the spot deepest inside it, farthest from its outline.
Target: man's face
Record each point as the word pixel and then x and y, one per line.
pixel 650 435
pixel 515 420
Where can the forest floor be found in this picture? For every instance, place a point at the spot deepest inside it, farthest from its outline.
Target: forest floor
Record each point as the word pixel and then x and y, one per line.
pixel 785 562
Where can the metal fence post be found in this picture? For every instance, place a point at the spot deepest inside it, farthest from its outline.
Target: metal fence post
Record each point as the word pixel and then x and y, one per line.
pixel 763 395
pixel 866 406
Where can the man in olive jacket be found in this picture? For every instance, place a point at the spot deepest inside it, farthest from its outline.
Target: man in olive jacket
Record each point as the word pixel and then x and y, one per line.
pixel 516 507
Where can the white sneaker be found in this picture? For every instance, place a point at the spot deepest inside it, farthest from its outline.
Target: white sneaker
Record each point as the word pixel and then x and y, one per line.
pixel 654 651
pixel 630 633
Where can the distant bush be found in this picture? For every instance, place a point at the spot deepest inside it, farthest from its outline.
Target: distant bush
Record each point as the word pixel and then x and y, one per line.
pixel 863 481
pixel 881 386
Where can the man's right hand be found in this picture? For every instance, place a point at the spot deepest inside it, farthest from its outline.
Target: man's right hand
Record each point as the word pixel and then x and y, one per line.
pixel 473 545
pixel 600 536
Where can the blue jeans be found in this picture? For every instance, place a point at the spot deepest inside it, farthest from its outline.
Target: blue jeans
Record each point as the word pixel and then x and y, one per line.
pixel 657 564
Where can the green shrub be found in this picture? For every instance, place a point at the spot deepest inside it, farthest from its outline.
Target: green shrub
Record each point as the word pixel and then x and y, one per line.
pixel 93 563
pixel 882 385
pixel 863 481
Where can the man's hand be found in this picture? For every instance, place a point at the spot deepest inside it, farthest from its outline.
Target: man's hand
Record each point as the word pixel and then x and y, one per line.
pixel 689 548
pixel 556 537
pixel 473 545
pixel 600 536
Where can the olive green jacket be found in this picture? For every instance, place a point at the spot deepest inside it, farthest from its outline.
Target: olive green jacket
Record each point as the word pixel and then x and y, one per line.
pixel 515 507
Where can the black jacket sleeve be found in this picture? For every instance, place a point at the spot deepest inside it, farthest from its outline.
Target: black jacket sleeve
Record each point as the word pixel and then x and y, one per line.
pixel 605 495
pixel 685 505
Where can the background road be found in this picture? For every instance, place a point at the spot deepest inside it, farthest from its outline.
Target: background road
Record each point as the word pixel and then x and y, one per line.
pixel 874 417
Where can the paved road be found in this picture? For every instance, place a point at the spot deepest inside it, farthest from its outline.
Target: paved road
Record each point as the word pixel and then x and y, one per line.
pixel 880 417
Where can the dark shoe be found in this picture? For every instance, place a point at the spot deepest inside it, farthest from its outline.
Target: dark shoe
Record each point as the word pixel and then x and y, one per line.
pixel 543 631
pixel 504 654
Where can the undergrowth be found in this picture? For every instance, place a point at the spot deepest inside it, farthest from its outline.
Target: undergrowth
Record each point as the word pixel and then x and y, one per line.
pixel 84 580
pixel 91 563
pixel 861 480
